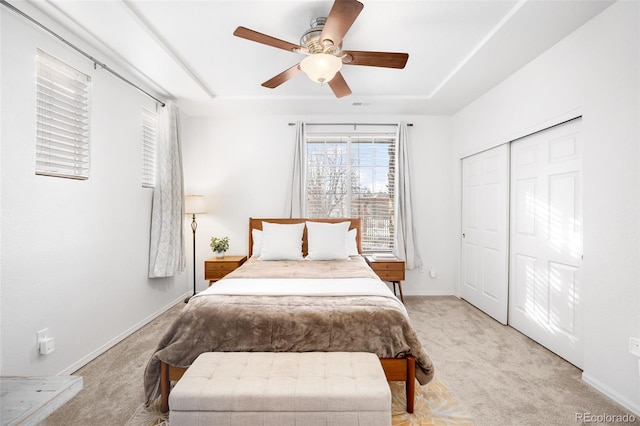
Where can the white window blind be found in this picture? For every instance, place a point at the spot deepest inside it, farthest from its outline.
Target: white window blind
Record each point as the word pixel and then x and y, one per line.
pixel 354 176
pixel 62 137
pixel 149 137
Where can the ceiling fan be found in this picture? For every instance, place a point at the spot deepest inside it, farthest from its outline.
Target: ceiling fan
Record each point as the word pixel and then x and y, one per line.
pixel 322 43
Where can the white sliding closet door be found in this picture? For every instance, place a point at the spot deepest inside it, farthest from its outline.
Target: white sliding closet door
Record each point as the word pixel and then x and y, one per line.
pixel 546 239
pixel 485 239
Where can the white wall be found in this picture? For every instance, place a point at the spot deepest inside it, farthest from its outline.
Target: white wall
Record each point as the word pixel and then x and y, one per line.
pixel 74 254
pixel 593 72
pixel 242 167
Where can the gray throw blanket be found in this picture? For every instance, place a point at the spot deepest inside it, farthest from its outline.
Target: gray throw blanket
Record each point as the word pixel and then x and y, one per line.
pixel 258 323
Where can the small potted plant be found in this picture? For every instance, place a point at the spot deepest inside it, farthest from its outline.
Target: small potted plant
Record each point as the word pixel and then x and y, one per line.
pixel 219 245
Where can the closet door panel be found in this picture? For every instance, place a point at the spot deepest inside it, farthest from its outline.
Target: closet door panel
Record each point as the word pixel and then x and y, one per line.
pixel 485 206
pixel 546 239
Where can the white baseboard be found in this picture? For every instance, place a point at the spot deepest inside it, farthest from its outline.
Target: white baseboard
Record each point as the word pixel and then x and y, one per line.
pixel 428 293
pixel 102 349
pixel 599 386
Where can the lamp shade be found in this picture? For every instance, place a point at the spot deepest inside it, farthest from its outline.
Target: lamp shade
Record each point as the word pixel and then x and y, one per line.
pixel 321 67
pixel 194 204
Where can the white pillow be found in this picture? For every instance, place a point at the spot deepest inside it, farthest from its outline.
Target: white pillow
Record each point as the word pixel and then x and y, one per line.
pixel 256 235
pixel 352 245
pixel 327 241
pixel 281 241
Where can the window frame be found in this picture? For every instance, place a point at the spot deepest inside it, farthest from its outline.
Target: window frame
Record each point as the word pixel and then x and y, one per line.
pixel 389 139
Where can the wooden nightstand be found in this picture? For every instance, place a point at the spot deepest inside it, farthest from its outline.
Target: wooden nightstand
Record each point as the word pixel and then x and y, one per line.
pixel 391 270
pixel 217 267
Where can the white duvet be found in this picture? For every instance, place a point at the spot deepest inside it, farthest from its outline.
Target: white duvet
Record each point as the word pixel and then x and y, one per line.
pixel 299 287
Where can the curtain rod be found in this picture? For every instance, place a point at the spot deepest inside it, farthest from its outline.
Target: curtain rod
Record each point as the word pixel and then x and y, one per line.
pixel 352 124
pixel 96 62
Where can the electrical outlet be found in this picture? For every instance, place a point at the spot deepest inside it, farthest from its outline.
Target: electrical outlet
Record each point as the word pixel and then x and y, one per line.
pixel 41 335
pixel 634 346
pixel 47 345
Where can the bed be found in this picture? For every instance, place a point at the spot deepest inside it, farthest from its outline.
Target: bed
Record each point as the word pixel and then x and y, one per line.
pixel 312 302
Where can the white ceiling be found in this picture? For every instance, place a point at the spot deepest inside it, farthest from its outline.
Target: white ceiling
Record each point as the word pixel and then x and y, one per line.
pixel 186 49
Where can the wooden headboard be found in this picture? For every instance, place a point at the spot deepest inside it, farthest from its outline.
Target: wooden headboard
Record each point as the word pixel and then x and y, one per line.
pixel 256 223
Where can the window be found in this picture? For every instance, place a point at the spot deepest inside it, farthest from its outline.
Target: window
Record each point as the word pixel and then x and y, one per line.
pixel 353 176
pixel 62 136
pixel 149 136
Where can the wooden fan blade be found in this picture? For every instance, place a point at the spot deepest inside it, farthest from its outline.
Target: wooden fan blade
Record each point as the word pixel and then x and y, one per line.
pixel 342 15
pixel 375 59
pixel 339 86
pixel 252 35
pixel 282 77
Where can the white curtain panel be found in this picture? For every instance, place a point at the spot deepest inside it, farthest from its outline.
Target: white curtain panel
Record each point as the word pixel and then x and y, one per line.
pixel 296 197
pixel 166 250
pixel 405 246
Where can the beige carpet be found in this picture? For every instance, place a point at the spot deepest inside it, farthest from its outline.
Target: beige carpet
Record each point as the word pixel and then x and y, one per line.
pixel 434 405
pixel 500 376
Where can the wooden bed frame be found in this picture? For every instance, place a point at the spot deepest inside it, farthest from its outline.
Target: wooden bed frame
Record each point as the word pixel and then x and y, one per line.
pixel 395 369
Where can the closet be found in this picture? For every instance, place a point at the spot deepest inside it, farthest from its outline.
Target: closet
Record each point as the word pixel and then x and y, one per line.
pixel 521 245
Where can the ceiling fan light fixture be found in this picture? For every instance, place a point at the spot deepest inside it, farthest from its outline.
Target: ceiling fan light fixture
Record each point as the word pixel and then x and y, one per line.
pixel 321 67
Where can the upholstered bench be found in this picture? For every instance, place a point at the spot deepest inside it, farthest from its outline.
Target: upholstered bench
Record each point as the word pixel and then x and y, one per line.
pixel 282 388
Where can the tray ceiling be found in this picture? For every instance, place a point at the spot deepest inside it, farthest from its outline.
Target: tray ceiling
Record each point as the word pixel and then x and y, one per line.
pixel 185 50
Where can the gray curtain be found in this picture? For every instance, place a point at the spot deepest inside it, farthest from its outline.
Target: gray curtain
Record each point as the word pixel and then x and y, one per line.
pixel 296 195
pixel 166 248
pixel 405 245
